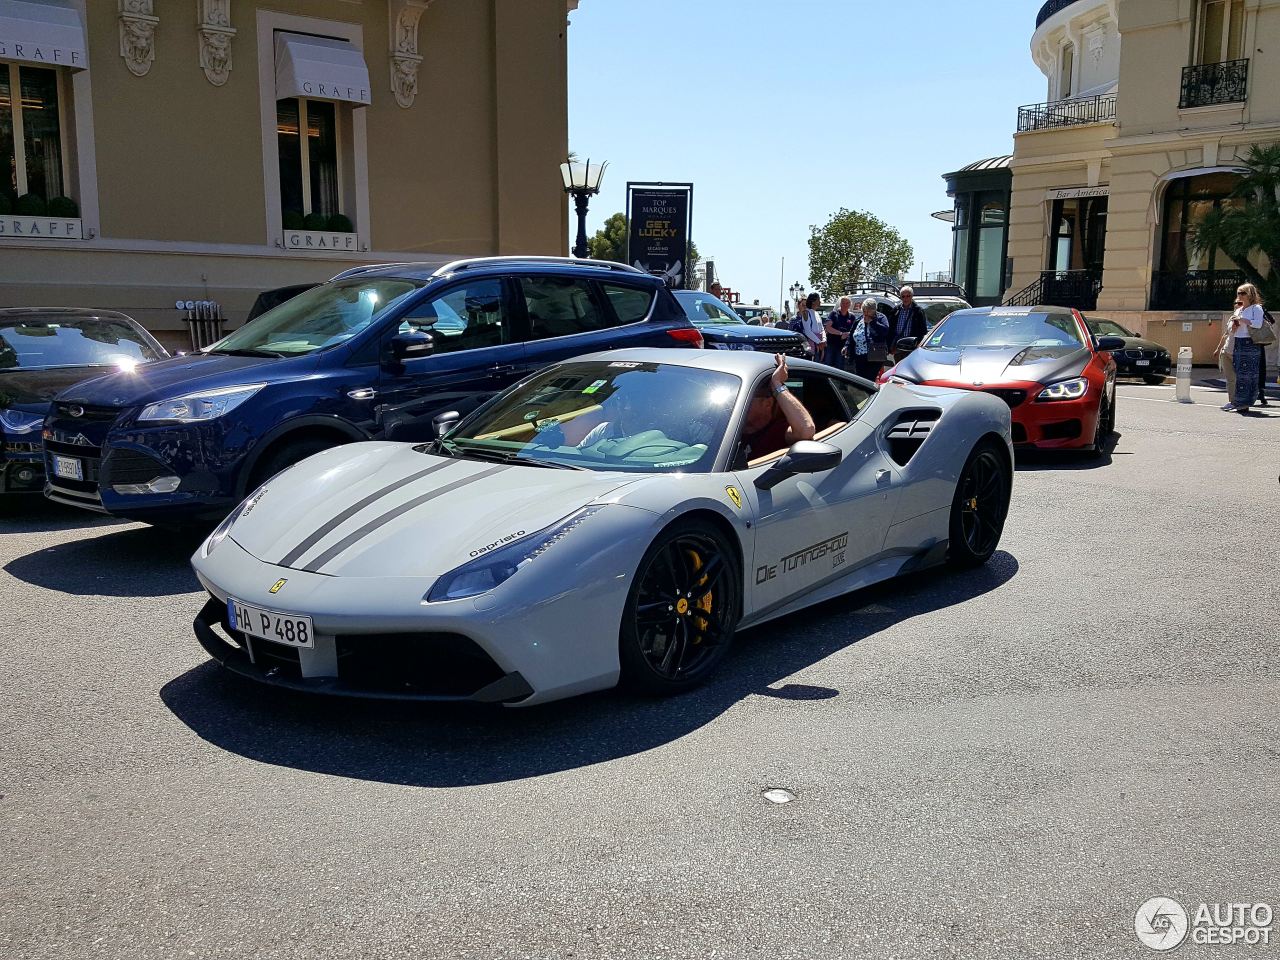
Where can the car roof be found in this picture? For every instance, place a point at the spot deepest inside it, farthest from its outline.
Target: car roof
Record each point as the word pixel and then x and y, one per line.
pixel 1005 311
pixel 746 364
pixel 488 266
pixel 17 314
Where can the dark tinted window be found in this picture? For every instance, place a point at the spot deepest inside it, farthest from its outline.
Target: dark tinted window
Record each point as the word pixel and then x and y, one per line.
pixel 854 396
pixel 630 304
pixel 560 307
pixel 462 318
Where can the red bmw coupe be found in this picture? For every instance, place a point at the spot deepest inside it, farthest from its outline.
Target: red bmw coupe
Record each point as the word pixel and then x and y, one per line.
pixel 1057 378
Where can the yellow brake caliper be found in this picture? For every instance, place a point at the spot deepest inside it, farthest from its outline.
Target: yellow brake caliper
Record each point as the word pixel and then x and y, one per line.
pixel 703 603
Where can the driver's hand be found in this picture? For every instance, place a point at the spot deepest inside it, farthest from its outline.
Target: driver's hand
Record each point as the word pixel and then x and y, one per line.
pixel 779 370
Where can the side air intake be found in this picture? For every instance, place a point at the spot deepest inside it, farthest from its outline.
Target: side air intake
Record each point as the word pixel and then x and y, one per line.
pixel 910 431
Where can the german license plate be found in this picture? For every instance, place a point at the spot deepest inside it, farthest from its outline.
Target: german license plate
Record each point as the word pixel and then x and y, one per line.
pixel 68 468
pixel 1143 363
pixel 289 629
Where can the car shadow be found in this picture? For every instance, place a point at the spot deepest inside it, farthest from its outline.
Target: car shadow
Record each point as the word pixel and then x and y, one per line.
pixel 134 562
pixel 446 745
pixel 32 513
pixel 1030 459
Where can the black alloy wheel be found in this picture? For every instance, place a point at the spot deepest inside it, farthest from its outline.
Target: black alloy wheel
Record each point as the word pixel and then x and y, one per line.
pixel 980 506
pixel 1106 427
pixel 295 451
pixel 681 611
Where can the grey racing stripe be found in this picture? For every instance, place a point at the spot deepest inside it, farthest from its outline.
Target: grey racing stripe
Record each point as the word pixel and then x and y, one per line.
pixel 315 565
pixel 328 527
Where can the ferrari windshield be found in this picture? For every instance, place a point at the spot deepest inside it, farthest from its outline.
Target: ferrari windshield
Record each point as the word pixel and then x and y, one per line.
pixel 602 415
pixel 38 343
pixel 317 318
pixel 981 328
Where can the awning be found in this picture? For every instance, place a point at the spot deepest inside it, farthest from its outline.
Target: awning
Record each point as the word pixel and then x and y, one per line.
pixel 48 32
pixel 320 67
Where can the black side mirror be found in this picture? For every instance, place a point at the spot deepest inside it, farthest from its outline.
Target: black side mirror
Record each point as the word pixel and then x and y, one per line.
pixel 907 344
pixel 1107 344
pixel 411 346
pixel 442 423
pixel 805 456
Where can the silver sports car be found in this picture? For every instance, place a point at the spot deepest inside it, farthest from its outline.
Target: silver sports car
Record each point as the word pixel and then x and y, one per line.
pixel 604 520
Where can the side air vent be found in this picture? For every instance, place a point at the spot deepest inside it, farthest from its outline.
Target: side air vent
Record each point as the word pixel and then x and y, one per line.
pixel 911 430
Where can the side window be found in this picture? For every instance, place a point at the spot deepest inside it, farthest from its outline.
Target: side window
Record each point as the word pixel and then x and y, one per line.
pixel 463 318
pixel 711 311
pixel 855 397
pixel 630 304
pixel 560 307
pixel 818 397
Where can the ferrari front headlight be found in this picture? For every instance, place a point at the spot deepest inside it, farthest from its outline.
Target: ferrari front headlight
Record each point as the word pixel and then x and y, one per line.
pixel 196 407
pixel 221 530
pixel 495 567
pixel 1065 390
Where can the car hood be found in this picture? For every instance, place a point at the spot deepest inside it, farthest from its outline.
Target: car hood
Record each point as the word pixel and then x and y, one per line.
pixel 988 365
pixel 178 376
pixel 742 333
pixel 1141 343
pixel 383 509
pixel 32 390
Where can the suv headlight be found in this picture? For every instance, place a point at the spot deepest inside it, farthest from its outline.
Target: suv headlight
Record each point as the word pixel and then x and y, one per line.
pixel 19 421
pixel 497 566
pixel 1065 390
pixel 195 407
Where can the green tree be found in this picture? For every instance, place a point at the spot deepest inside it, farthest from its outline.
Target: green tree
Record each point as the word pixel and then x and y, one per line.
pixel 1252 227
pixel 854 246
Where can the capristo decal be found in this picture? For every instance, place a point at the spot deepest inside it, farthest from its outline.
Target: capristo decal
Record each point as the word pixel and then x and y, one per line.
pixel 498 543
pixel 834 548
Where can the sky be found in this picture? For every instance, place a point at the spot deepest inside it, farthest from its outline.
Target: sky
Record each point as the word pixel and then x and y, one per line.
pixel 780 112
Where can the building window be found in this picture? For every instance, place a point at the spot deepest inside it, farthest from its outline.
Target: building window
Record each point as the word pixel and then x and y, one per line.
pixel 1079 237
pixel 32 157
pixel 1067 70
pixel 1186 203
pixel 310 174
pixel 990 260
pixel 1220 32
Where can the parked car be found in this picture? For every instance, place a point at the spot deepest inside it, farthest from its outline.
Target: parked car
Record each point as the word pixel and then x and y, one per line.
pixel 597 523
pixel 723 329
pixel 269 299
pixel 1057 378
pixel 375 353
pixel 937 309
pixel 44 350
pixel 755 314
pixel 1140 357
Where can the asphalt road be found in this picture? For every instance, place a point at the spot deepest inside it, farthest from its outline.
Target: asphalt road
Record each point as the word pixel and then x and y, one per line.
pixel 1003 763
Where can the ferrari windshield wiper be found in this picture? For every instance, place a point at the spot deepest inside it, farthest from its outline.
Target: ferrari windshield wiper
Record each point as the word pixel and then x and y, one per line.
pixel 246 352
pixel 502 456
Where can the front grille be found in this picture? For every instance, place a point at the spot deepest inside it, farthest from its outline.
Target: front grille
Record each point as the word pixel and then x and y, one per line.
pixel 80 491
pixel 21 449
pixel 1010 396
pixel 90 413
pixel 1063 430
pixel 1141 354
pixel 131 466
pixel 776 344
pixel 422 664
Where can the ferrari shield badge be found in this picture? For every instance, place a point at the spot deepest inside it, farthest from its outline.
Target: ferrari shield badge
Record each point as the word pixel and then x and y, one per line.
pixel 735 496
pixel 275 587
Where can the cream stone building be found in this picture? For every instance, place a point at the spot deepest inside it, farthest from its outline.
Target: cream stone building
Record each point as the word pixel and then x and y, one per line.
pixel 151 150
pixel 1150 106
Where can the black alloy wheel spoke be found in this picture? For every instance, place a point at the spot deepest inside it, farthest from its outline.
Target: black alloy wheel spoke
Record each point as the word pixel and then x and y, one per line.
pixel 659 611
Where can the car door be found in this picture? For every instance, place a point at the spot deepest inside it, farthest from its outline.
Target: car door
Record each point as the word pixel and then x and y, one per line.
pixel 562 317
pixel 814 528
pixel 475 355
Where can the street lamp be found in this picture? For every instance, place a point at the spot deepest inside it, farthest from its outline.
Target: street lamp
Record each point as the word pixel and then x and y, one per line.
pixel 581 181
pixel 797 290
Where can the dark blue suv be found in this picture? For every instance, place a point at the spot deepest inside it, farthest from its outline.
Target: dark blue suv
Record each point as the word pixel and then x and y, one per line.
pixel 375 353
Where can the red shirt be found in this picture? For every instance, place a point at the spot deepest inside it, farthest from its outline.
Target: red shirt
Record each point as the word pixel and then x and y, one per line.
pixel 768 439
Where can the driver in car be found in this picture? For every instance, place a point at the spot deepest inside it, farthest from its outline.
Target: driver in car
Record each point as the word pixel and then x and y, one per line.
pixel 775 418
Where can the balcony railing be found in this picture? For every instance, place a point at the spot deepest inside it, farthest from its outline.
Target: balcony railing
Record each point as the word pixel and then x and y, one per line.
pixel 1050 8
pixel 1194 289
pixel 1209 83
pixel 1060 288
pixel 1067 113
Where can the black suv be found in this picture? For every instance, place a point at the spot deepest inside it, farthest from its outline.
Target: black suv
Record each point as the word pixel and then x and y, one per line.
pixel 375 353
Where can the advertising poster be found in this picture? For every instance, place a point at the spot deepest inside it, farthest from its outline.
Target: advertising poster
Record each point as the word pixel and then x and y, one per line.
pixel 659 221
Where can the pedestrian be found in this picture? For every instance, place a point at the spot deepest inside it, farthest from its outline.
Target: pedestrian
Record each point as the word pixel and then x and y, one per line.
pixel 1223 353
pixel 1262 362
pixel 1244 352
pixel 869 342
pixel 838 326
pixel 909 322
pixel 809 325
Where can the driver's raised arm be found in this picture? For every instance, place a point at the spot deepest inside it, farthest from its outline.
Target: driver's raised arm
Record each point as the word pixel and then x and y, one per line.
pixel 799 423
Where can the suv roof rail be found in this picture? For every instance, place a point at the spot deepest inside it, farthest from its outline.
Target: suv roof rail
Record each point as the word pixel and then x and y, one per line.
pixel 472 262
pixel 874 286
pixel 366 267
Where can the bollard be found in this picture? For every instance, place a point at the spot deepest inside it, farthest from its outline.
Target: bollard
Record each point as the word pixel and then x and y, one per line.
pixel 1182 390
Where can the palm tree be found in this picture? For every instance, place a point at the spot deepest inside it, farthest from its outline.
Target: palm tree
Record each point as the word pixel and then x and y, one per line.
pixel 1252 227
